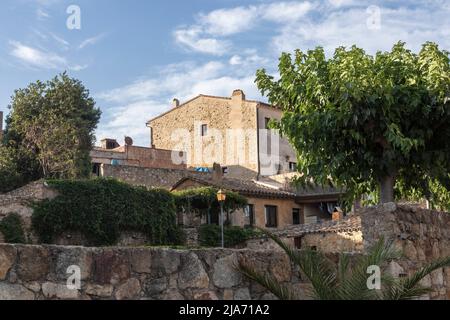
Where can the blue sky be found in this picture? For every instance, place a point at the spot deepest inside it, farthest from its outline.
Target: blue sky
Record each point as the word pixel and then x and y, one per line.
pixel 135 56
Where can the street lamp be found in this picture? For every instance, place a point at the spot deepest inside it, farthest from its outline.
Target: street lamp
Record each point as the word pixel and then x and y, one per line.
pixel 221 197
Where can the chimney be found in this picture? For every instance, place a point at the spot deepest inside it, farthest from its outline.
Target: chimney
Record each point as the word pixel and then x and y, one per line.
pixel 109 144
pixel 217 173
pixel 337 214
pixel 238 94
pixel 175 103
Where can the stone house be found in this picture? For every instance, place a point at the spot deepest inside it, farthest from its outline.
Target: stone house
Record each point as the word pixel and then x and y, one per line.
pixel 269 206
pixel 232 131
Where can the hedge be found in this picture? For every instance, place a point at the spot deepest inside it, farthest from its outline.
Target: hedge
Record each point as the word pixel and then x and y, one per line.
pixel 101 209
pixel 210 235
pixel 11 228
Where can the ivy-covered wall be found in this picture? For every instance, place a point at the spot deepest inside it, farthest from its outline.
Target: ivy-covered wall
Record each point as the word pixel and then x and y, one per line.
pixel 102 209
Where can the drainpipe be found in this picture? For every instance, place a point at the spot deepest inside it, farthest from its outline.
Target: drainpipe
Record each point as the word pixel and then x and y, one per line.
pixel 257 141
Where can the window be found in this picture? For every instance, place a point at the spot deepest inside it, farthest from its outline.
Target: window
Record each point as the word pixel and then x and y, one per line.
pixel 298 242
pixel 96 169
pixel 292 166
pixel 204 130
pixel 271 216
pixel 296 216
pixel 266 123
pixel 250 214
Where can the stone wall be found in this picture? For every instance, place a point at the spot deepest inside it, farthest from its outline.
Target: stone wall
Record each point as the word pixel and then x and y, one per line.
pixel 138 157
pixel 150 177
pixel 40 272
pixel 18 201
pixel 423 236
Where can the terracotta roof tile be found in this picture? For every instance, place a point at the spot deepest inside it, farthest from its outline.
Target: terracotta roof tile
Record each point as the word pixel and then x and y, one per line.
pixel 350 223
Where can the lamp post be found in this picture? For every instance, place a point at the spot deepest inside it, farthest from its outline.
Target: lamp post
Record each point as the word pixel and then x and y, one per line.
pixel 221 197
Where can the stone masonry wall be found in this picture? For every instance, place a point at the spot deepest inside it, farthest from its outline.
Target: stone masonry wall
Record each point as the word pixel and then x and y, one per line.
pixel 40 272
pixel 150 177
pixel 423 236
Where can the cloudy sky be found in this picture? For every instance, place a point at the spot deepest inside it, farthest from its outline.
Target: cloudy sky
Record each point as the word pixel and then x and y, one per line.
pixel 135 56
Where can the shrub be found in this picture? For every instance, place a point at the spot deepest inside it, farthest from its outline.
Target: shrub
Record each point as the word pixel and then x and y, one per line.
pixel 101 209
pixel 210 235
pixel 11 227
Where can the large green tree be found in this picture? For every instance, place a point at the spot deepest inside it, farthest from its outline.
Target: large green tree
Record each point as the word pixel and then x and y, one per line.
pixel 50 130
pixel 363 121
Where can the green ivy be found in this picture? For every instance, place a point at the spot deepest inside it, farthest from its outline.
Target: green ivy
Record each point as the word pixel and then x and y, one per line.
pixel 11 227
pixel 103 208
pixel 204 201
pixel 210 235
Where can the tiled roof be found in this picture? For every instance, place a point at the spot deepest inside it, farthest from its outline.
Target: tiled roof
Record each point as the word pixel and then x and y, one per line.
pixel 245 187
pixel 317 190
pixel 350 223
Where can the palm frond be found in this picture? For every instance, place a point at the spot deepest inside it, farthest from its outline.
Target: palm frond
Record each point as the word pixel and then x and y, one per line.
pixel 410 288
pixel 268 282
pixel 354 287
pixel 314 265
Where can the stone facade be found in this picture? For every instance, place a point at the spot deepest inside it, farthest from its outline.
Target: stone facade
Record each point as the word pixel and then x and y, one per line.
pixel 149 177
pixel 41 272
pixel 228 120
pixel 137 157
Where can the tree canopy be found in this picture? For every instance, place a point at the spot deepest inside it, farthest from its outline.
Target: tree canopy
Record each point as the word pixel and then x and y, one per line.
pixel 49 131
pixel 359 121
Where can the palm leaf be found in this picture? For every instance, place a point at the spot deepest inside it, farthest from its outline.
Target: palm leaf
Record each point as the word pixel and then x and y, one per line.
pixel 410 288
pixel 314 265
pixel 354 287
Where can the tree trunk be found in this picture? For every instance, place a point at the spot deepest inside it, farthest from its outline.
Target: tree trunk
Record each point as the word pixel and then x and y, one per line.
pixel 387 189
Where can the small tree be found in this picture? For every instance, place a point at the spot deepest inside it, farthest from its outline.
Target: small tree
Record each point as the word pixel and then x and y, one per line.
pixel 360 121
pixel 50 129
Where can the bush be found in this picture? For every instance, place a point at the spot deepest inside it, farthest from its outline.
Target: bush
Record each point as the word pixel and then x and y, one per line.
pixel 101 209
pixel 10 178
pixel 204 200
pixel 210 235
pixel 11 227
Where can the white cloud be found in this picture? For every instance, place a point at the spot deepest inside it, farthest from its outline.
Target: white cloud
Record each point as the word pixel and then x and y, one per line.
pixel 235 60
pixel 284 12
pixel 42 14
pixel 132 105
pixel 91 41
pixel 65 44
pixel 345 27
pixel 191 38
pixel 207 34
pixel 229 21
pixel 36 58
pixel 78 67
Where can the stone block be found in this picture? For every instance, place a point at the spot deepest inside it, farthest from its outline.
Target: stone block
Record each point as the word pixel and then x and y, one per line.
pixel 129 290
pixel 141 260
pixel 192 274
pixel 33 263
pixel 225 275
pixel 110 266
pixel 102 291
pixel 15 292
pixel 7 259
pixel 59 291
